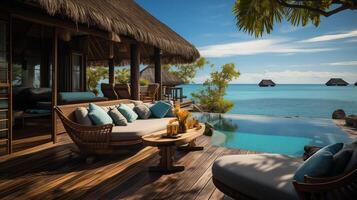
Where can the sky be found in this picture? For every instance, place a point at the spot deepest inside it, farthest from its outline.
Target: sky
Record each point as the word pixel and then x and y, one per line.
pixel 299 55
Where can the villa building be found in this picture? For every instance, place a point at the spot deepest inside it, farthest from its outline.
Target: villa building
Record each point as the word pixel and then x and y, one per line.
pixel 46 47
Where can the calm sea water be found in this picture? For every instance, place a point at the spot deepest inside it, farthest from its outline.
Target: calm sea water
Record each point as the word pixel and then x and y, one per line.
pixel 318 101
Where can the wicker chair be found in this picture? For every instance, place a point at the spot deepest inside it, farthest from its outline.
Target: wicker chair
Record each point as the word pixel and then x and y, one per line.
pixel 151 93
pixel 108 91
pixel 339 187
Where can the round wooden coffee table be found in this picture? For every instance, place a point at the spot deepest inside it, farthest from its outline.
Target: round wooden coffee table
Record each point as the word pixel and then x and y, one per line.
pixel 167 147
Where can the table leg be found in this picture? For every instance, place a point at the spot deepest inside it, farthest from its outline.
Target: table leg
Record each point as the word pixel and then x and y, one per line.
pixel 192 146
pixel 166 164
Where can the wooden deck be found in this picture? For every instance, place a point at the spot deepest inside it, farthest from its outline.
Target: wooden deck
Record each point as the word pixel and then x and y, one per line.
pixel 48 171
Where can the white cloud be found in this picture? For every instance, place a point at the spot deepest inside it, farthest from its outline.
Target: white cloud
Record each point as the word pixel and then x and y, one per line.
pixel 351 63
pixel 297 77
pixel 343 63
pixel 331 37
pixel 254 47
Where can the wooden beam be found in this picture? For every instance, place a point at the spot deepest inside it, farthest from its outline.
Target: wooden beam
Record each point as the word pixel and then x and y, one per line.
pixel 158 71
pixel 9 142
pixel 54 84
pixel 135 71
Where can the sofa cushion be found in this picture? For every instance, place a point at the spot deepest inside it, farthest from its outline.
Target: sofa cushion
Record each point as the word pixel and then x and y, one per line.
pixel 118 118
pixel 139 128
pixel 75 96
pixel 160 109
pixel 98 115
pixel 128 112
pixel 319 164
pixel 270 174
pixel 143 111
pixel 82 116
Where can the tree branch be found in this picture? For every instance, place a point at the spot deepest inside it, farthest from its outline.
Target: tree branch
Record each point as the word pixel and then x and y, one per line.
pixel 321 12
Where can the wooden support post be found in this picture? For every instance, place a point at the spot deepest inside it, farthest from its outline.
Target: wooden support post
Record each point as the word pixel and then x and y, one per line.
pixel 9 142
pixel 111 71
pixel 158 72
pixel 111 63
pixel 54 84
pixel 135 71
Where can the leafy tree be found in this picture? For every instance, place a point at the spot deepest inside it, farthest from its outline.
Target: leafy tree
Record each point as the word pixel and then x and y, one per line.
pixel 94 75
pixel 187 71
pixel 211 97
pixel 122 76
pixel 258 16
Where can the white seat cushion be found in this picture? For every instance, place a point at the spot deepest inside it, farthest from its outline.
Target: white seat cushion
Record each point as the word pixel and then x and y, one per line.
pixel 139 128
pixel 260 176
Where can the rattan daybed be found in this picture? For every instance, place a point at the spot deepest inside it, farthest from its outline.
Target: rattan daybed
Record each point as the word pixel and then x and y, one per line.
pixel 106 139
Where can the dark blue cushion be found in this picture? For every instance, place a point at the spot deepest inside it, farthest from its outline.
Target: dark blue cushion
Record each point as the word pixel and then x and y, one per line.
pixel 127 112
pixel 98 115
pixel 76 96
pixel 160 109
pixel 319 164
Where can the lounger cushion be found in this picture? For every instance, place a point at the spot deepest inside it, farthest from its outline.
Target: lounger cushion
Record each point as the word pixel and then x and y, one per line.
pixel 270 174
pixel 319 164
pixel 340 161
pixel 82 116
pixel 128 112
pixel 352 164
pixel 139 128
pixel 98 116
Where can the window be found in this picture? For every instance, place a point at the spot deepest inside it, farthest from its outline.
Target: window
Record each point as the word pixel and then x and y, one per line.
pixel 77 66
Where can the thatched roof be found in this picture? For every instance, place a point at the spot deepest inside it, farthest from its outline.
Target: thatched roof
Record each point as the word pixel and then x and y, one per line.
pixel 266 83
pixel 168 79
pixel 336 82
pixel 125 18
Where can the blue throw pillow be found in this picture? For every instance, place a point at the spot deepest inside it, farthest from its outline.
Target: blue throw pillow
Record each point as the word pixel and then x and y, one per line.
pixel 170 113
pixel 128 113
pixel 98 115
pixel 318 164
pixel 160 109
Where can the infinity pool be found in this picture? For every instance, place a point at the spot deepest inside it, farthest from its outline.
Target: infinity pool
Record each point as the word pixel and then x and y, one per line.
pixel 272 134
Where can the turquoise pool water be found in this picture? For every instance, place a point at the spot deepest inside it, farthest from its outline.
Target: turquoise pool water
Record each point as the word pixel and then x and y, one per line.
pixel 272 134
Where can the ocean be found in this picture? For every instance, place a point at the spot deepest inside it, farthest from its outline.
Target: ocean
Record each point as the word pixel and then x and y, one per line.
pixel 288 100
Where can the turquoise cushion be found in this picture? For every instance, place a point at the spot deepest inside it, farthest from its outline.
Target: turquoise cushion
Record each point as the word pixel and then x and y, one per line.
pixel 128 113
pixel 160 109
pixel 170 113
pixel 76 96
pixel 318 164
pixel 38 111
pixel 98 115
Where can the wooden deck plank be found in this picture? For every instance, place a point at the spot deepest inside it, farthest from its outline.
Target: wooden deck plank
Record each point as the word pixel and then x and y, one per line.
pixel 47 172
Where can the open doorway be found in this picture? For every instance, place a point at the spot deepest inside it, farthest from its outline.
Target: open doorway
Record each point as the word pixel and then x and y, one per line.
pixel 31 84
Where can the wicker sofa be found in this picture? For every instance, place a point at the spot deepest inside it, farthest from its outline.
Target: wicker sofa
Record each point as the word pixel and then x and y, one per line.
pixel 106 139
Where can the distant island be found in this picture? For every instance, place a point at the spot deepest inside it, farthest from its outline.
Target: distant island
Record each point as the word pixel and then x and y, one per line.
pixel 266 83
pixel 337 82
pixel 355 83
